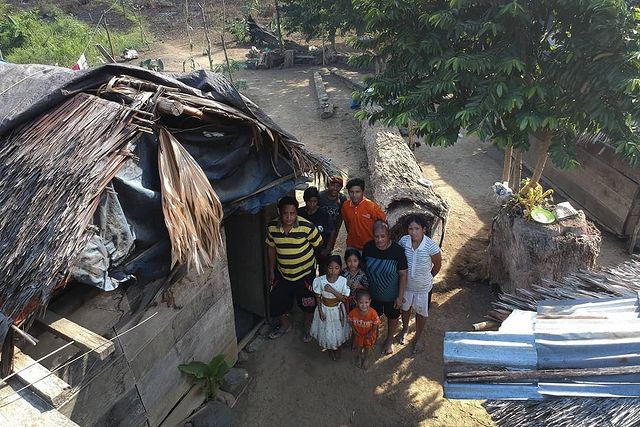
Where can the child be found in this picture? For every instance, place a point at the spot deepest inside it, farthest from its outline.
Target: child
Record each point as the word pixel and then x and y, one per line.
pixel 330 326
pixel 356 278
pixel 364 323
pixel 424 261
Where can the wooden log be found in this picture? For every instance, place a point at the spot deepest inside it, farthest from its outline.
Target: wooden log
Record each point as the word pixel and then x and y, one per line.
pixel 538 374
pixel 323 97
pixel 398 184
pixel 48 386
pixel 524 253
pixel 169 107
pixel 289 56
pixel 84 338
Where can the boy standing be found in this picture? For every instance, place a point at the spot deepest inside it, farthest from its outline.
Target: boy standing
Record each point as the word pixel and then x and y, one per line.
pixel 330 202
pixel 359 214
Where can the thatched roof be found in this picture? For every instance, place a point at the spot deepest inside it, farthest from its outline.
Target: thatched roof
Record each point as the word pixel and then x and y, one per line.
pixel 64 136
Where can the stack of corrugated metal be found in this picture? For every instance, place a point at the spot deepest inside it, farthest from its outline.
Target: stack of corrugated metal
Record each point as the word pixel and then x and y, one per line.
pixel 587 347
pixel 572 361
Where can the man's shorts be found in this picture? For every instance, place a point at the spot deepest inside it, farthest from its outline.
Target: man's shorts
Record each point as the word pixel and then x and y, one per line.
pixel 285 291
pixel 419 301
pixel 386 308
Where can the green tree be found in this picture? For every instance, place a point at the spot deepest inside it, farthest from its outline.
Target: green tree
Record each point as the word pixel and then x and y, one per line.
pixel 505 70
pixel 320 18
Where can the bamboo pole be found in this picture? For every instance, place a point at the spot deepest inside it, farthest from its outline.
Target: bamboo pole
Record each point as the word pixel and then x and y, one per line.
pixel 278 25
pixel 538 374
pixel 106 28
pixel 516 168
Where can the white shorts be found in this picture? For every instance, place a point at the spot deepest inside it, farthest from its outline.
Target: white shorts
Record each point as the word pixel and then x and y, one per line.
pixel 419 301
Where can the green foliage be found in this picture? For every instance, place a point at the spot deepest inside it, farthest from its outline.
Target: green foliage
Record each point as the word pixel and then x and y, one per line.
pixel 534 197
pixel 320 18
pixel 153 64
pixel 504 70
pixel 26 37
pixel 239 31
pixel 208 375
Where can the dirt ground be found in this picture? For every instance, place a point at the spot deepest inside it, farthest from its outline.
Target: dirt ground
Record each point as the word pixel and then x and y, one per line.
pixel 297 384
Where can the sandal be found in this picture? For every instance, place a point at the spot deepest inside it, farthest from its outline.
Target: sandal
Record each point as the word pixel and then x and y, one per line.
pixel 274 335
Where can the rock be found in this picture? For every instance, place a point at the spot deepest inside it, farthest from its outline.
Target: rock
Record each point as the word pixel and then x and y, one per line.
pixel 234 381
pixel 226 398
pixel 213 414
pixel 265 330
pixel 243 357
pixel 255 345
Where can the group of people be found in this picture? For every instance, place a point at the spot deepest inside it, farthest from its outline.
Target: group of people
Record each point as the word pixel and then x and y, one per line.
pixel 381 277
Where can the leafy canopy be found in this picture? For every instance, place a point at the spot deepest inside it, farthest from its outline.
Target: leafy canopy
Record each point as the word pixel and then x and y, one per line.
pixel 320 18
pixel 506 69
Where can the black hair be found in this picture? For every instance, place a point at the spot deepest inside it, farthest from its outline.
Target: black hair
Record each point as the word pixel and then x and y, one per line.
pixel 310 192
pixel 350 252
pixel 418 219
pixel 287 201
pixel 336 259
pixel 362 293
pixel 381 224
pixel 353 182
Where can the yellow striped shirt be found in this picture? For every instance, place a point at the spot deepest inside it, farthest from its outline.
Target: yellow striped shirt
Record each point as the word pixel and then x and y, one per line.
pixel 295 256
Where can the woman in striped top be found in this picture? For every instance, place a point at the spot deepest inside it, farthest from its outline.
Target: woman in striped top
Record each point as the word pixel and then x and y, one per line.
pixel 424 261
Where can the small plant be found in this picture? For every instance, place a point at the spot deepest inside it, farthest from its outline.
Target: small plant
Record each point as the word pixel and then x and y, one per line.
pixel 208 375
pixel 533 197
pixel 230 69
pixel 238 30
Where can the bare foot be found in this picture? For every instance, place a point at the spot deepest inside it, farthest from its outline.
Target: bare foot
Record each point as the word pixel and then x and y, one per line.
pixel 401 336
pixel 364 364
pixel 388 347
pixel 332 354
pixel 418 346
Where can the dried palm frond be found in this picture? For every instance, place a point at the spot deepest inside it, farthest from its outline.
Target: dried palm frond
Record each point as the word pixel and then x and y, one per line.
pixel 192 211
pixel 52 173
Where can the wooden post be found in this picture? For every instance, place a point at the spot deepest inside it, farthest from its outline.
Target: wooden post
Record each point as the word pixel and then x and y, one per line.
pixel 206 35
pixel 506 166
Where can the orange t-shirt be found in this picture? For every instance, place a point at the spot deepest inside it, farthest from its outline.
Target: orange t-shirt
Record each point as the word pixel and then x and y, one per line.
pixel 359 221
pixel 363 324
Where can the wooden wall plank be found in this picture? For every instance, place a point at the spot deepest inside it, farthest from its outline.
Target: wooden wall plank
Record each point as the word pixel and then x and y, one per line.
pixel 126 412
pixel 48 386
pixel 83 337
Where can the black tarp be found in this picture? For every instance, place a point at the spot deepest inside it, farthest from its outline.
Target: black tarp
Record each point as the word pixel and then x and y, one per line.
pixel 131 240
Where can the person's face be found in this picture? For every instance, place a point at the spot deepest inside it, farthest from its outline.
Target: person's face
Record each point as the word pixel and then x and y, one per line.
pixel 288 215
pixel 356 194
pixel 353 263
pixel 381 238
pixel 416 231
pixel 334 188
pixel 364 303
pixel 333 269
pixel 312 204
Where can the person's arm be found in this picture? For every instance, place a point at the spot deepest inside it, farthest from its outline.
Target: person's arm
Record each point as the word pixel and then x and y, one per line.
pixel 271 258
pixel 342 216
pixel 378 213
pixel 402 286
pixel 319 305
pixel 436 260
pixel 314 237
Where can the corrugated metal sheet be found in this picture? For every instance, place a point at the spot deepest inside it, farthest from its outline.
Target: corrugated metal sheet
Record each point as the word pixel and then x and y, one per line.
pixel 490 348
pixel 478 391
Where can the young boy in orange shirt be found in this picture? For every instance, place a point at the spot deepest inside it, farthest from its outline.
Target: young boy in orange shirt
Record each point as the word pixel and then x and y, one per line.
pixel 359 214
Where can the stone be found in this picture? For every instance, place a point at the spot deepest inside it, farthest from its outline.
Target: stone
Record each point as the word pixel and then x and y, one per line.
pixel 255 345
pixel 234 381
pixel 243 357
pixel 265 330
pixel 213 414
pixel 226 398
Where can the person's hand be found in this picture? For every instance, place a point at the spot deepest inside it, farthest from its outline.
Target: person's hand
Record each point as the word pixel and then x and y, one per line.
pixel 398 302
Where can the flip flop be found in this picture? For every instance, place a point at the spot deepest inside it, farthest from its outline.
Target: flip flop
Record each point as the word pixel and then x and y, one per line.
pixel 274 335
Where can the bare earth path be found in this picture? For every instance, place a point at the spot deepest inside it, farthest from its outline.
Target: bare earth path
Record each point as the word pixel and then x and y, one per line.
pixel 296 383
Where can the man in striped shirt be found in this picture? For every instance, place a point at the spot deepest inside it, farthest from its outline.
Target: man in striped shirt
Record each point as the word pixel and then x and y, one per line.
pixel 291 244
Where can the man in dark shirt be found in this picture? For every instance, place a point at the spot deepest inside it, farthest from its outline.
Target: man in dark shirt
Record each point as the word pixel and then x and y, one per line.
pixel 331 201
pixel 386 268
pixel 311 211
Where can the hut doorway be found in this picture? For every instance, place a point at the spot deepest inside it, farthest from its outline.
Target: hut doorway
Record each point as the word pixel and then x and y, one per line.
pixel 247 260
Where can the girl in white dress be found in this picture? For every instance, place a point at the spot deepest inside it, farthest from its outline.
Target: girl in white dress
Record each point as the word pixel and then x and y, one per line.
pixel 330 325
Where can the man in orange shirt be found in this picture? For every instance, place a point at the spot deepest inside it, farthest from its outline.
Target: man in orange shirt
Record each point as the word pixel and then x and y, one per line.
pixel 359 214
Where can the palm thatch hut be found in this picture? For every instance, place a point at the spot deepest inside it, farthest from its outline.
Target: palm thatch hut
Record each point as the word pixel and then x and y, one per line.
pixel 153 187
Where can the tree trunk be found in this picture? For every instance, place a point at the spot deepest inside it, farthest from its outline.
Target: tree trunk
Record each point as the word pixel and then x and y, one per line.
pixel 537 172
pixel 278 25
pixel 506 166
pixel 206 35
pixel 332 39
pixel 516 173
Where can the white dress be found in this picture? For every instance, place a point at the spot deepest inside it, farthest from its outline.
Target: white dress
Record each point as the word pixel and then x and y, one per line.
pixel 332 332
